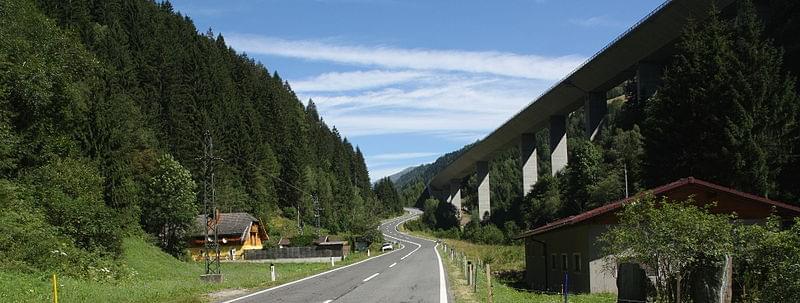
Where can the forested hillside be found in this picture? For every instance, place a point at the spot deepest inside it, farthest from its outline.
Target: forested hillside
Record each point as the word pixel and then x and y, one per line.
pixel 103 108
pixel 412 184
pixel 728 112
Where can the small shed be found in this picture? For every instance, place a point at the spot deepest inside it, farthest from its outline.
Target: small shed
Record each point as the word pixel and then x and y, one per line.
pixel 569 245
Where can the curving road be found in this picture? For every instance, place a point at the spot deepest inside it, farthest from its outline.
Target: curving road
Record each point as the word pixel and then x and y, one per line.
pixel 413 273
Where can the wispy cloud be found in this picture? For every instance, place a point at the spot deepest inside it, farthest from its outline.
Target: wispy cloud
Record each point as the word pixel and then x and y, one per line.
pixel 596 21
pixel 490 62
pixel 357 80
pixel 439 92
pixel 454 95
pixel 402 156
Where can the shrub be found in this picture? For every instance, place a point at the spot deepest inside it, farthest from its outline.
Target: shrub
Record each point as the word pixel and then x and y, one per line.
pixel 767 259
pixel 31 244
pixel 168 210
pixel 70 194
pixel 674 238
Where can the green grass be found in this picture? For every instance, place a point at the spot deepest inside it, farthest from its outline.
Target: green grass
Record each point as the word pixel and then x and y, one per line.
pixel 500 290
pixel 157 277
pixel 503 258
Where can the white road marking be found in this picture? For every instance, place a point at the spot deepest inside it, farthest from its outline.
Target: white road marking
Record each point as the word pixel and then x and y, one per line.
pixel 306 278
pixel 372 276
pixel 327 301
pixel 393 264
pixel 442 287
pixel 398 239
pixel 442 283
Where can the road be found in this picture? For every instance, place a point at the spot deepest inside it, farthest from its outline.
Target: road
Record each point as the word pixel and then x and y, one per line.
pixel 413 273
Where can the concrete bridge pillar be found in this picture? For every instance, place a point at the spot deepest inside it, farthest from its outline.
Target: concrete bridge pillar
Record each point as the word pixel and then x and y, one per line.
pixel 595 109
pixel 455 195
pixel 648 79
pixel 530 169
pixel 484 191
pixel 558 143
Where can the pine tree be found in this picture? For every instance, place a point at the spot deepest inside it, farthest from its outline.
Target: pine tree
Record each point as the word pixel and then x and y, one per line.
pixel 726 112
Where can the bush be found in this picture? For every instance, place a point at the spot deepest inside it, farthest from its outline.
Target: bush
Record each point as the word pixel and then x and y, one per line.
pixel 31 244
pixel 483 234
pixel 70 194
pixel 415 225
pixel 168 210
pixel 303 240
pixel 450 233
pixel 767 260
pixel 676 239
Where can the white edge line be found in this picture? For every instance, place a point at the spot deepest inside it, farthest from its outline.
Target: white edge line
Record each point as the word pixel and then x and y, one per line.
pixel 372 276
pixel 442 283
pixel 306 278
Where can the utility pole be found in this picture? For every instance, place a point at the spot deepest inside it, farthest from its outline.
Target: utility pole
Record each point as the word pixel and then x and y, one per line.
pixel 210 242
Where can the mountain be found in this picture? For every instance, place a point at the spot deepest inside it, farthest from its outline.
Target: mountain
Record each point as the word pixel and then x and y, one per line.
pixel 413 180
pixel 104 111
pixel 397 175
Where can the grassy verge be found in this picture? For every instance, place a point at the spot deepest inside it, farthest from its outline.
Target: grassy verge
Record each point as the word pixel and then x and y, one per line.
pixel 157 277
pixel 507 263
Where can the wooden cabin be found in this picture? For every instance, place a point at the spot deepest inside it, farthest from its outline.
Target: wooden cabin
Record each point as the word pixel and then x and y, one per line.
pixel 236 232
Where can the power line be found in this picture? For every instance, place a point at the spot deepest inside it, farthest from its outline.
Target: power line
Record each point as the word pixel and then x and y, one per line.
pixel 314 197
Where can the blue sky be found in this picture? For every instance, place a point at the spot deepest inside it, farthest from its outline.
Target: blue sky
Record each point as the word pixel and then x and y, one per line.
pixel 408 81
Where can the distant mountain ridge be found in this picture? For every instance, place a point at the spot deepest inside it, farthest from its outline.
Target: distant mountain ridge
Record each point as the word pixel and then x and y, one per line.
pixel 412 181
pixel 396 176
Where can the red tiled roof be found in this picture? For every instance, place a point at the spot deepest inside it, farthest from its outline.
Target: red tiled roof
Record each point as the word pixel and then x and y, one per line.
pixel 656 191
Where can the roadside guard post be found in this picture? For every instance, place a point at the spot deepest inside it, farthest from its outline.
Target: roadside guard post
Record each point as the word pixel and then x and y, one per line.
pixel 272 271
pixel 55 289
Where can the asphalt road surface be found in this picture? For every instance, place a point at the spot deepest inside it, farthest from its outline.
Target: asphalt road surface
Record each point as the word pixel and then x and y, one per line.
pixel 413 273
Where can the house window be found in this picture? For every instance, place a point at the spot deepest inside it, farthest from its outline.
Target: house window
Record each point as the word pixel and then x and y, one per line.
pixel 564 262
pixel 576 259
pixel 553 263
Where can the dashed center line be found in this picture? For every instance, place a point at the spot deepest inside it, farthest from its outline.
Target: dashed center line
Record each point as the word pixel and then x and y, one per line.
pixel 393 264
pixel 327 301
pixel 372 276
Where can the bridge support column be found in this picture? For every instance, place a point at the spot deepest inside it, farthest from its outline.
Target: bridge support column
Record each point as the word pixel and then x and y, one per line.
pixel 558 143
pixel 648 78
pixel 530 169
pixel 484 191
pixel 595 109
pixel 455 195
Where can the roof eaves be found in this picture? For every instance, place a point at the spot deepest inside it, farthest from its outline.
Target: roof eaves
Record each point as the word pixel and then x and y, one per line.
pixel 599 210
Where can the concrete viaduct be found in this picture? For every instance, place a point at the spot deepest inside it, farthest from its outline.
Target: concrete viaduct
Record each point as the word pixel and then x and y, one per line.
pixel 640 52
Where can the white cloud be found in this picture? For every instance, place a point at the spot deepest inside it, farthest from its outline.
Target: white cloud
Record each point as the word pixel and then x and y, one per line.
pixel 454 106
pixel 439 93
pixel 458 107
pixel 402 156
pixel 490 62
pixel 357 80
pixel 426 123
pixel 455 95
